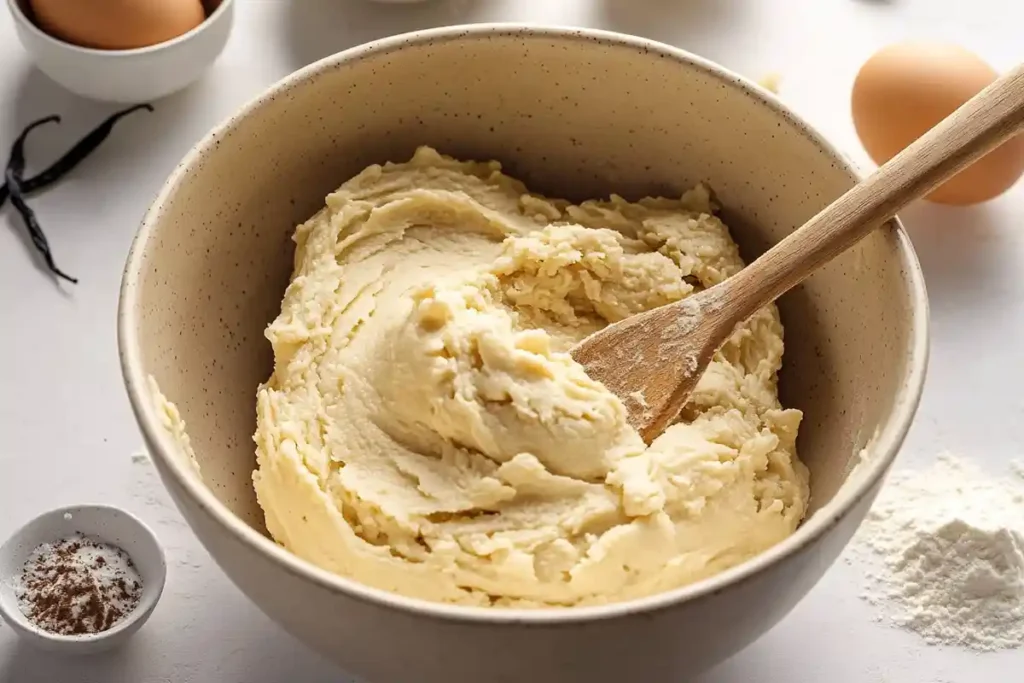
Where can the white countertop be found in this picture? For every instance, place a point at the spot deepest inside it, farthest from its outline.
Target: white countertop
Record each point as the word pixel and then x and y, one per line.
pixel 67 431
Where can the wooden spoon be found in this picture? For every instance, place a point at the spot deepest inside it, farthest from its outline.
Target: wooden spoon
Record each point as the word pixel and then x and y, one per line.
pixel 652 361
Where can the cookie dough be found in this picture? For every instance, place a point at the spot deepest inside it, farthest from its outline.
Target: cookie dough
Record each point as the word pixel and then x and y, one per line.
pixel 426 432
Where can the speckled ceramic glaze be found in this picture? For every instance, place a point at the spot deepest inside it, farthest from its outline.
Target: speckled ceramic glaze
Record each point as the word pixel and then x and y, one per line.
pixel 576 114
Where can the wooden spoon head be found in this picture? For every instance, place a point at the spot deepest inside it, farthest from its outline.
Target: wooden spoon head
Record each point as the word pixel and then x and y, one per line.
pixel 652 361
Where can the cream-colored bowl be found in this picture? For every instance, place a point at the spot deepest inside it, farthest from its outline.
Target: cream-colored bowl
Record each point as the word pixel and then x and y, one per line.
pixel 576 114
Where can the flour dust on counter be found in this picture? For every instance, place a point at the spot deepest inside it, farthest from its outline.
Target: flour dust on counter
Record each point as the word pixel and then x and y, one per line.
pixel 943 549
pixel 184 553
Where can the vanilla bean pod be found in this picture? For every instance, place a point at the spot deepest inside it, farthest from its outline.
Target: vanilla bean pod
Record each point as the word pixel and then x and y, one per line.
pixel 15 168
pixel 73 156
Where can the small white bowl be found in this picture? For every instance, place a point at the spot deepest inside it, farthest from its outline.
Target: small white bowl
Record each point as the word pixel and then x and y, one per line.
pixel 109 524
pixel 127 76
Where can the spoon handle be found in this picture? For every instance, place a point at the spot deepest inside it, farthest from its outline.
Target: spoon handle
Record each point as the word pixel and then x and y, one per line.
pixel 984 122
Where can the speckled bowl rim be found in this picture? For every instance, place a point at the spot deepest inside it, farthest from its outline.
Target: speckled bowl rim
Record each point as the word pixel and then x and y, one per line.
pixel 884 446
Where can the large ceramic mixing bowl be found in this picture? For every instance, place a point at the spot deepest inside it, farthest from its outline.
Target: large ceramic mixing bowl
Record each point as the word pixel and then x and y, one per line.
pixel 576 114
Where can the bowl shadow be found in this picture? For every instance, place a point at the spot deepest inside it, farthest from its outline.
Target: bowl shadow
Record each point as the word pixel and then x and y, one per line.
pixel 263 655
pixel 26 664
pixel 320 28
pixel 959 249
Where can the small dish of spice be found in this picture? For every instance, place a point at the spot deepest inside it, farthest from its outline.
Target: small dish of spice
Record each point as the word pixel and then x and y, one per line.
pixel 80 579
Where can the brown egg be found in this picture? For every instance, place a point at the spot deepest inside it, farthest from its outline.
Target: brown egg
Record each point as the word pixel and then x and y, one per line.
pixel 117 24
pixel 904 90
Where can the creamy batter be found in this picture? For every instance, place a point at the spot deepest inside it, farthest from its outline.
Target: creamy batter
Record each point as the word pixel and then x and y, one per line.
pixel 426 432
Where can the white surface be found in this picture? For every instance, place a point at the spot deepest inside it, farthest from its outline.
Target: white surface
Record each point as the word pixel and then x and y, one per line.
pixel 68 433
pixel 126 75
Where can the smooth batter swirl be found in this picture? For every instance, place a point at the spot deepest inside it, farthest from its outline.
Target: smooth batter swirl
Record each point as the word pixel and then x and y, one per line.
pixel 425 430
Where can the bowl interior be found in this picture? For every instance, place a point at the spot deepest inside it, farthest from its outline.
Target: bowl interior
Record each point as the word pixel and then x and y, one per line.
pixel 572 115
pixel 108 524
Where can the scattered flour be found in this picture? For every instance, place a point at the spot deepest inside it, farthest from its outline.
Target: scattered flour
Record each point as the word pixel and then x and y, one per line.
pixel 947 547
pixel 148 493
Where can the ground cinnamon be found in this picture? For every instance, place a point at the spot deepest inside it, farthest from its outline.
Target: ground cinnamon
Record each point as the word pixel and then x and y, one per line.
pixel 78 585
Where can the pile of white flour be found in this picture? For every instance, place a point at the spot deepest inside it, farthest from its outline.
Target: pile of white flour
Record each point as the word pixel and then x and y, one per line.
pixel 947 545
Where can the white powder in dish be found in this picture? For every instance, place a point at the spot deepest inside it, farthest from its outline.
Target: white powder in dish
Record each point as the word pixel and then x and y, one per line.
pixel 947 548
pixel 77 585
